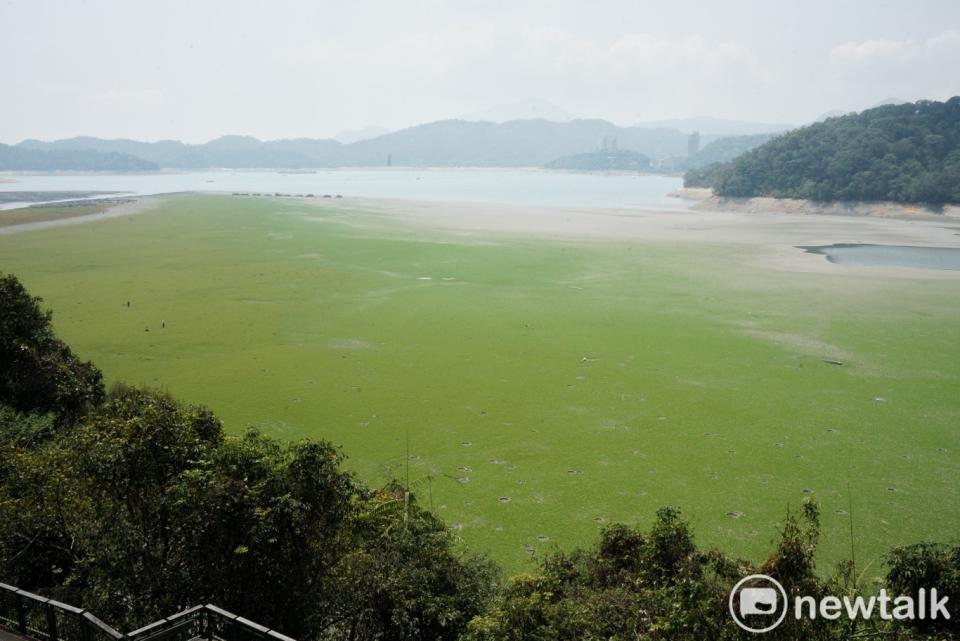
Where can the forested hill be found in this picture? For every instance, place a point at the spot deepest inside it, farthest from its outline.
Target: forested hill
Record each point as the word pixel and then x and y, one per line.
pixel 902 153
pixel 20 159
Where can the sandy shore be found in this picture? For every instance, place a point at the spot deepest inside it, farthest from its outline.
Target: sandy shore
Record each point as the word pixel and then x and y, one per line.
pixel 706 201
pixel 773 237
pixel 681 225
pixel 692 193
pixel 137 206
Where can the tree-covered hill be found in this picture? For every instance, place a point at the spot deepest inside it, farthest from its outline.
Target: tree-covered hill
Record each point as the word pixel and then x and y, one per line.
pixel 21 159
pixel 900 153
pixel 726 149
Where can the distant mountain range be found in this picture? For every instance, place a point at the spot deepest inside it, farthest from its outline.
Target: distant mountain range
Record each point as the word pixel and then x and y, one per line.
pixel 26 159
pixel 530 109
pixel 725 149
pixel 348 136
pixel 718 126
pixel 444 143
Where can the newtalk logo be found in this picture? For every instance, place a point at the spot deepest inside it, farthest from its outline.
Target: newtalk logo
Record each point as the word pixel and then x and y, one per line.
pixel 758 603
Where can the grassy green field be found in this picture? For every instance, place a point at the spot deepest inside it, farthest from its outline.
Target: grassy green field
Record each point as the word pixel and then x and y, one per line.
pixel 545 388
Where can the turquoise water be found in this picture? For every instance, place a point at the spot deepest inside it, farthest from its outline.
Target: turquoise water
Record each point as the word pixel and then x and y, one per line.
pixel 510 186
pixel 890 256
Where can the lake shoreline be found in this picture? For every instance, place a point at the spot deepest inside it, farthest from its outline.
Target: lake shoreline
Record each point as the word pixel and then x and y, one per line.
pixel 773 239
pixel 769 242
pixel 706 200
pixel 113 208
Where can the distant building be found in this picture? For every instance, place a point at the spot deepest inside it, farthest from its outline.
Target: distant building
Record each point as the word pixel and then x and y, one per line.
pixel 608 144
pixel 693 144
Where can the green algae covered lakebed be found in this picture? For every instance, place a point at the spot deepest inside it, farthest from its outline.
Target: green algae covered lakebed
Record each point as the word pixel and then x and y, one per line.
pixel 543 387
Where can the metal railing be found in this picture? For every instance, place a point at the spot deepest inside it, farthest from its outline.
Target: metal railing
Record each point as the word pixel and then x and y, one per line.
pixel 36 617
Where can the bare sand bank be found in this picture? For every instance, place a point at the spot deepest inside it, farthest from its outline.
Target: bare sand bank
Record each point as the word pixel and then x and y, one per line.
pixel 129 207
pixel 692 193
pixel 773 238
pixel 706 201
pixel 688 225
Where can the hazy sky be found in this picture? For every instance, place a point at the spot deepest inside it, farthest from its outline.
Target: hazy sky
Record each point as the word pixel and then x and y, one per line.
pixel 198 69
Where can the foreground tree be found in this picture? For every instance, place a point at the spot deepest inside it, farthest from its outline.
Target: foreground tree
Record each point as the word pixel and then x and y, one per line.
pixel 146 506
pixel 406 578
pixel 659 585
pixel 38 372
pixel 926 566
pixel 633 585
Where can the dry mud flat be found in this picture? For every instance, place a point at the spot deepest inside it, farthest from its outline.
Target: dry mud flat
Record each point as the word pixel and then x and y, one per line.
pixel 773 237
pixel 124 207
pixel 57 196
pixel 694 377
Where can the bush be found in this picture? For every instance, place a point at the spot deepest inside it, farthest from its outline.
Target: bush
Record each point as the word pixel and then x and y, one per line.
pixel 38 372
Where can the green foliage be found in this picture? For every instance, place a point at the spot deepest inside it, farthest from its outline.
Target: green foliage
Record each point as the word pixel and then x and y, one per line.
pixel 633 585
pixel 706 176
pixel 405 577
pixel 659 585
pixel 34 547
pixel 900 153
pixel 122 467
pixel 927 565
pixel 20 430
pixel 146 506
pixel 38 372
pixel 726 149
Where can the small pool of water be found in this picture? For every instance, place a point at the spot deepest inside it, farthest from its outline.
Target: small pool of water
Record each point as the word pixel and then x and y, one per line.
pixel 890 255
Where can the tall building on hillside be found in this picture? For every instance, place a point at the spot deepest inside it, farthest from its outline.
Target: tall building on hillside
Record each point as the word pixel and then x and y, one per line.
pixel 693 144
pixel 608 143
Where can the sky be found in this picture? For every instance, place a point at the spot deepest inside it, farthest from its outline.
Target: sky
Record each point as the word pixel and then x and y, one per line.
pixel 195 70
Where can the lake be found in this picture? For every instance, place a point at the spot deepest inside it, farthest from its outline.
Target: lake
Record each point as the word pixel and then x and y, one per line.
pixel 508 186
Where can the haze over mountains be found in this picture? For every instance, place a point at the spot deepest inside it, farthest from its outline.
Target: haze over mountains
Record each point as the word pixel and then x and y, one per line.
pixel 445 143
pixel 349 136
pixel 26 159
pixel 718 126
pixel 529 109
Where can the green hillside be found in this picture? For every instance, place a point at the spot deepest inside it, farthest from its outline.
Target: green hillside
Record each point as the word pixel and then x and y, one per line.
pixel 900 153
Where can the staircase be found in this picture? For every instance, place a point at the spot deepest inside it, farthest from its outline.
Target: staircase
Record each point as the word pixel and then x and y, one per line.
pixel 25 616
